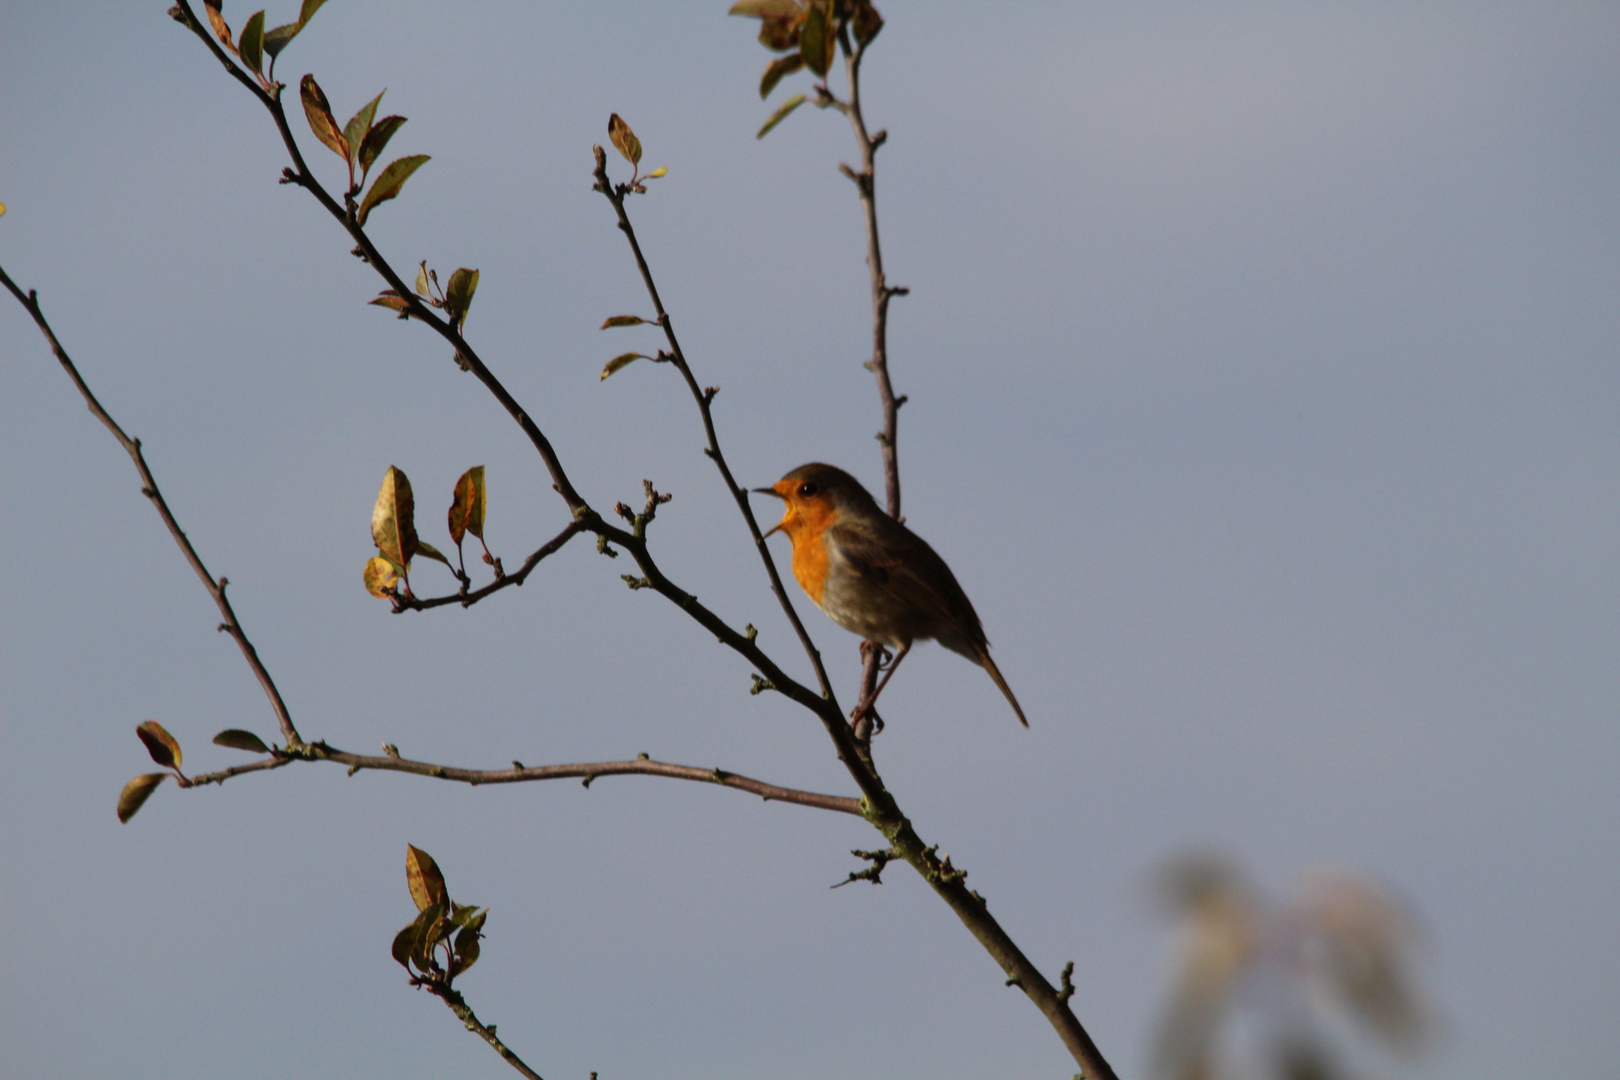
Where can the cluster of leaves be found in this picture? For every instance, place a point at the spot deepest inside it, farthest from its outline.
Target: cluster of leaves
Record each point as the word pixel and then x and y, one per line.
pixel 256 43
pixel 442 930
pixel 359 143
pixel 454 298
pixel 393 530
pixel 165 750
pixel 1286 974
pixel 806 34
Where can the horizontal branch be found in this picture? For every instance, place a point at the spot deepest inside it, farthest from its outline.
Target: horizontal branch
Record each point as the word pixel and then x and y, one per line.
pixel 520 773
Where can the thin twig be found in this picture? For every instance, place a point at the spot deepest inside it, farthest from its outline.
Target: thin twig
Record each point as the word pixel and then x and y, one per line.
pixel 468 598
pixel 458 1005
pixel 149 488
pixel 520 773
pixel 705 402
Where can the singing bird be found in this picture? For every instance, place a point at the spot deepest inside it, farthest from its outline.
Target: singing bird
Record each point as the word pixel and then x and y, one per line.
pixel 872 575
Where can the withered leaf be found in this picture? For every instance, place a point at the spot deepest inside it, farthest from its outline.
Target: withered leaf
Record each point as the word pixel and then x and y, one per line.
pixel 624 139
pixel 393 525
pixel 423 877
pixel 217 21
pixel 467 505
pixel 136 792
pixel 321 120
pixel 622 361
pixel 159 743
pixel 380 575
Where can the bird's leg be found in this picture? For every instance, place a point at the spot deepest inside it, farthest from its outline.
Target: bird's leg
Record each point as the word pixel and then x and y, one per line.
pixel 869 695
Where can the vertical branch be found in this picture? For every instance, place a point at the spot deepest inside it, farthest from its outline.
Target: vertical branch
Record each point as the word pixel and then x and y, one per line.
pixel 865 181
pixel 882 292
pixel 149 488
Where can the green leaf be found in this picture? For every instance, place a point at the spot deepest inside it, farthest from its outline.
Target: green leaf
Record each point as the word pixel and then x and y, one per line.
pixel 388 184
pixel 251 47
pixel 381 575
pixel 776 69
pixel 405 944
pixel 625 320
pixel 458 294
pixel 622 361
pixel 780 114
pixel 425 881
pixel 656 173
pixel 221 29
pixel 159 743
pixel 467 949
pixel 427 935
pixel 624 139
pixel 377 138
pixel 359 126
pixel 237 739
pixel 279 38
pixel 467 505
pixel 136 792
pixel 422 288
pixel 766 9
pixel 817 38
pixel 321 120
pixel 428 551
pixel 393 528
pixel 308 11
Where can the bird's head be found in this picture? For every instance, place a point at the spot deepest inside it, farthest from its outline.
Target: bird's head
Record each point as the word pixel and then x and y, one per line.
pixel 814 496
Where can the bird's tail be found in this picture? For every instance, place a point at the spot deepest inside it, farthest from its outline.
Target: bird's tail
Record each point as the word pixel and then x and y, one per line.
pixel 995 673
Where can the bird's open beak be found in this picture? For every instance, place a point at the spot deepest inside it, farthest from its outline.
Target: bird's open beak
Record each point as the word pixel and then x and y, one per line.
pixel 772 491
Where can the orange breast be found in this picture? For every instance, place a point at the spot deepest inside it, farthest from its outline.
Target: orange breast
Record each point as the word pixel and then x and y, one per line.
pixel 806 522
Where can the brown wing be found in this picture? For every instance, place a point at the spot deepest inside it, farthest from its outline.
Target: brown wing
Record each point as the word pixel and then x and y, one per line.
pixel 898 561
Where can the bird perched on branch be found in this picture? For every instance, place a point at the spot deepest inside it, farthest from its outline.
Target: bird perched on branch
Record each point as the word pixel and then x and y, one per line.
pixel 872 575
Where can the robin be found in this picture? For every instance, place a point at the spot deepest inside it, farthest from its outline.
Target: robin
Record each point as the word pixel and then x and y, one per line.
pixel 872 575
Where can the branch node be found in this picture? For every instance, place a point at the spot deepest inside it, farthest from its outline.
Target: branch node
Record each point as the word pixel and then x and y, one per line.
pixel 880 137
pixel 586 780
pixel 516 764
pixel 1067 983
pixel 750 631
pixel 873 873
pixel 636 582
pixel 391 750
pixel 760 685
pixel 1015 981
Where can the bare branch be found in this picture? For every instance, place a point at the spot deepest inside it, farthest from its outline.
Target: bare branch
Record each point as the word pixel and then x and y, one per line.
pixel 520 773
pixel 442 989
pixel 149 488
pixel 467 598
pixel 705 403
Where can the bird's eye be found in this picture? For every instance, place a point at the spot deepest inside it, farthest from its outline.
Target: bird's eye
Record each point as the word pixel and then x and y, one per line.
pixel 807 489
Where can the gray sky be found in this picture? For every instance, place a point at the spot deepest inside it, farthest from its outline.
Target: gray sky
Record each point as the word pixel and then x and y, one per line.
pixel 1263 392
